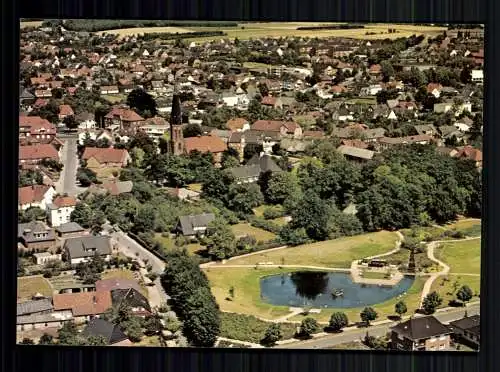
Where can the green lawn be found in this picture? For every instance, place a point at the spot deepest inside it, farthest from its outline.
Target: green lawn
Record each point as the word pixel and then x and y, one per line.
pixel 462 257
pixel 29 286
pixel 114 98
pixel 250 329
pixel 470 228
pixel 280 221
pixel 425 232
pixel 259 211
pixel 449 285
pixel 331 253
pixel 246 284
pixel 194 187
pixel 255 65
pixel 242 229
pixel 168 243
pixel 367 274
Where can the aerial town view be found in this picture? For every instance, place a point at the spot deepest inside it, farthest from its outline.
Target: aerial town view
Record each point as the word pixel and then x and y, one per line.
pixel 250 185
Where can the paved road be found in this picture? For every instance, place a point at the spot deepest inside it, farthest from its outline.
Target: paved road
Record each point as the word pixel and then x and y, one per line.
pixel 357 334
pixel 69 158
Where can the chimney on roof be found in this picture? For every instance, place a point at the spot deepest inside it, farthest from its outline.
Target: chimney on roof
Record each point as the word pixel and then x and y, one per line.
pixel 94 300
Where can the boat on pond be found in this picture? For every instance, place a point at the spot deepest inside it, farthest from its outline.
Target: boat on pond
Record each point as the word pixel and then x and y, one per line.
pixel 337 292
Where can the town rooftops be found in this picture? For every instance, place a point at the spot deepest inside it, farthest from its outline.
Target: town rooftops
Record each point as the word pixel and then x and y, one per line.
pixel 105 155
pixel 118 187
pixel 62 202
pixel 34 306
pixel 32 194
pixel 69 227
pixel 469 323
pixel 83 303
pixel 421 328
pixel 265 163
pixel 204 144
pixel 40 151
pixel 188 224
pixel 86 246
pixel 355 152
pixel 34 231
pixel 124 114
pixel 114 283
pixel 102 328
pixel 130 296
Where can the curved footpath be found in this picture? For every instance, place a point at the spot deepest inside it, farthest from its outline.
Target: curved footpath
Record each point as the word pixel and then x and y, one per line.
pixel 445 268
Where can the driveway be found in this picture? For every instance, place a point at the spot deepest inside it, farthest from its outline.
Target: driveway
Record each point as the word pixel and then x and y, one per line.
pixel 67 183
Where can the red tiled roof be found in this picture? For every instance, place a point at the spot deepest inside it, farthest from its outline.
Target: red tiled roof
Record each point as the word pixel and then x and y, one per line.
pixel 124 114
pixel 32 194
pixel 236 123
pixel 42 151
pixel 83 303
pixel 40 102
pixel 274 125
pixel 268 100
pixel 205 144
pixel 64 201
pixel 355 143
pixel 66 110
pixel 375 69
pixel 37 80
pixel 470 153
pixel 432 86
pixel 105 155
pixel 37 125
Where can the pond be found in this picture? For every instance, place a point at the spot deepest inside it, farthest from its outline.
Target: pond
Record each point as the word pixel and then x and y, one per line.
pixel 309 288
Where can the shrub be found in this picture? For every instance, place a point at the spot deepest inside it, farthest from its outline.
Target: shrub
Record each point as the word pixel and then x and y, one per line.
pixel 273 212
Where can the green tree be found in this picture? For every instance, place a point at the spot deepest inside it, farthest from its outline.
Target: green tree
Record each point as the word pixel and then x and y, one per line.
pixel 202 320
pixel 244 197
pixel 145 219
pixel 400 308
pixel 70 122
pixel 338 320
pixel 32 214
pixel 273 334
pixel 152 325
pixel 251 149
pixel 308 326
pixel 141 101
pixel 46 339
pixel 464 294
pixel 221 241
pixel 387 70
pixel 368 315
pixel 68 334
pixel 431 302
pixel 30 177
pixel 192 130
pixel 280 187
pixel 27 341
pixel 313 215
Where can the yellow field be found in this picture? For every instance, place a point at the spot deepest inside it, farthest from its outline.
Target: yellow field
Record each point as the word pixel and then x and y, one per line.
pixel 331 253
pixel 31 24
pixel 28 286
pixel 123 32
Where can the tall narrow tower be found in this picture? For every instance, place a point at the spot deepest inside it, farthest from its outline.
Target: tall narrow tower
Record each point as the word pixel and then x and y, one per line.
pixel 176 136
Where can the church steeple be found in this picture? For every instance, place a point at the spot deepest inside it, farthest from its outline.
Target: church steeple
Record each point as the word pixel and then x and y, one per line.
pixel 176 136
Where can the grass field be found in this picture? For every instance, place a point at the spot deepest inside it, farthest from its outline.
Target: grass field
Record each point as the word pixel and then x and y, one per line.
pixel 64 281
pixel 28 286
pixel 168 243
pixel 149 341
pixel 246 283
pixel 250 329
pixel 31 24
pixel 145 30
pixel 367 274
pixel 242 229
pixel 470 228
pixel 448 288
pixel 255 65
pixel 118 274
pixel 106 173
pixel 115 98
pixel 462 257
pixel 194 187
pixel 259 211
pixel 331 253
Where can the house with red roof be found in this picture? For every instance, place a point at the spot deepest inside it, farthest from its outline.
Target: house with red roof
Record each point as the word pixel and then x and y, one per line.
pixel 35 196
pixel 469 152
pixel 284 128
pixel 35 129
pixel 126 119
pixel 64 111
pixel 97 158
pixel 34 154
pixel 83 305
pixel 204 144
pixel 59 211
pixel 434 89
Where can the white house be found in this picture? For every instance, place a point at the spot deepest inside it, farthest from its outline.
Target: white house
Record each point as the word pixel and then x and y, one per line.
pixel 392 116
pixel 86 121
pixel 477 76
pixel 59 211
pixel 372 90
pixel 35 196
pixel 82 249
pixel 44 257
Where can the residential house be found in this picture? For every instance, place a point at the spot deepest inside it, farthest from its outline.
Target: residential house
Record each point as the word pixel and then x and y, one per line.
pixel 36 235
pixel 38 314
pixel 386 142
pixel 84 306
pixel 427 129
pixel 447 151
pixel 450 131
pixel 354 143
pixel 65 111
pixel 155 127
pixel 238 125
pixel 110 332
pixel 83 248
pixel 34 129
pixel 193 226
pixel 60 210
pixel 477 76
pixel 434 89
pixel 109 89
pixel 449 105
pixel 183 193
pixel 43 258
pixel 105 157
pixel 284 128
pixel 371 90
pixel 204 144
pixel 257 165
pixel 239 140
pixel 34 154
pixel 133 299
pixel 422 334
pixel 86 120
pixel 35 306
pixel 70 230
pixel 469 152
pixel 26 98
pixel 95 135
pixel 126 119
pixel 468 329
pixel 356 153
pixel 35 196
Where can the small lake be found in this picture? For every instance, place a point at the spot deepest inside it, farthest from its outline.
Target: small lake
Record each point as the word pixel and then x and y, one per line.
pixel 308 288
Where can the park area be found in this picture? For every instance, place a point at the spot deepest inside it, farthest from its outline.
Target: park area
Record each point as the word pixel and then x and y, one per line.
pixel 448 286
pixel 338 253
pixel 463 257
pixel 245 229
